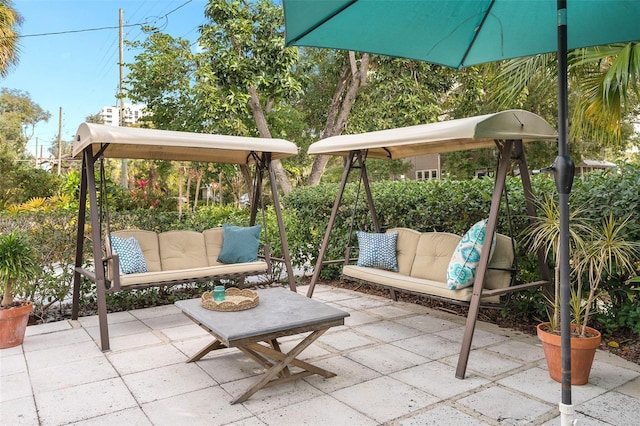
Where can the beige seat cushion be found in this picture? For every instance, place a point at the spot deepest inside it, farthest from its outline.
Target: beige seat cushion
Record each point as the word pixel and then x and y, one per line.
pixel 213 239
pixel 433 254
pixel 405 248
pixel 148 241
pixel 182 250
pixel 502 258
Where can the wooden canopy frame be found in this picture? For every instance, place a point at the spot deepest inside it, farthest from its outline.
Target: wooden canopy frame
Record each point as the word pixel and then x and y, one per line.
pixel 506 130
pixel 96 141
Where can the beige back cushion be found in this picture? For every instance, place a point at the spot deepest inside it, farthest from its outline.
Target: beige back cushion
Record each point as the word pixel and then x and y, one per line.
pixel 433 254
pixel 405 248
pixel 148 241
pixel 502 258
pixel 182 250
pixel 213 241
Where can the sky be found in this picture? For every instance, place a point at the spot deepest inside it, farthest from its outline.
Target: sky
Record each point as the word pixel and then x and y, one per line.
pixel 69 53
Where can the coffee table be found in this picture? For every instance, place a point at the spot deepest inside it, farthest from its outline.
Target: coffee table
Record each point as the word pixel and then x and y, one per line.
pixel 280 312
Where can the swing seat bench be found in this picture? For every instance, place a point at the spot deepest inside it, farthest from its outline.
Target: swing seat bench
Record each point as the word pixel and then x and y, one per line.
pixel 175 257
pixel 423 259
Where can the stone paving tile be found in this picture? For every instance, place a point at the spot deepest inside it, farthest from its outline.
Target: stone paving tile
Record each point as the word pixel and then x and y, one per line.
pixel 112 318
pixel 519 410
pixel 12 364
pixel 229 365
pixel 439 379
pixel 345 340
pixel 82 402
pixel 49 327
pixel 388 331
pixel 357 318
pixel 132 341
pixel 631 388
pixel 536 382
pixel 384 398
pixel 15 386
pixel 486 363
pixel 612 407
pixel 119 329
pixel 129 417
pixel 18 412
pixel 187 331
pixel 428 323
pixel 439 416
pixel 348 373
pixel 274 397
pixel 390 312
pixel 191 346
pixel 358 303
pixel 331 296
pixel 71 374
pixel 147 358
pixel 321 411
pixel 386 359
pixel 167 321
pixel 582 421
pixel 481 338
pixel 210 406
pixel 52 340
pixel 61 355
pixel 164 382
pixel 519 350
pixel 609 376
pixel 430 346
pixel 157 311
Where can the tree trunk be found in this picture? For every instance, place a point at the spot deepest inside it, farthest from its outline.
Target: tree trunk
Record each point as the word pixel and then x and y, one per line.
pixel 351 80
pixel 263 129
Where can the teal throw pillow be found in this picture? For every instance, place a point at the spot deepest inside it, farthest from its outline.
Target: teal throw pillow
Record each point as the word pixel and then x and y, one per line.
pixel 377 250
pixel 461 272
pixel 129 254
pixel 240 244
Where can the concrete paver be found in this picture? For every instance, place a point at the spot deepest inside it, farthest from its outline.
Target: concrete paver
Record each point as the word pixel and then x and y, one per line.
pixel 394 362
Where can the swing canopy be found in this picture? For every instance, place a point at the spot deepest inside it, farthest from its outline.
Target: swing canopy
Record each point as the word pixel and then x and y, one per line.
pixel 445 136
pixel 152 144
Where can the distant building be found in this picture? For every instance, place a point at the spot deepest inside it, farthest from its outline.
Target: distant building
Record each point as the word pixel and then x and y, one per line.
pixel 587 166
pixel 132 114
pixel 425 167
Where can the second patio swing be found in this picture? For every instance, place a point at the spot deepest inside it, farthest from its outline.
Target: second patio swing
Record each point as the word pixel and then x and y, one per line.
pixel 506 130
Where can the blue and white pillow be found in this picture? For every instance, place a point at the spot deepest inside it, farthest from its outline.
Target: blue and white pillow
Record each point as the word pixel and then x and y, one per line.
pixel 377 250
pixel 129 254
pixel 461 272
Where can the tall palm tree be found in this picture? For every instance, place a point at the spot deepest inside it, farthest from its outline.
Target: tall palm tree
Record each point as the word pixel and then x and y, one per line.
pixel 603 84
pixel 10 20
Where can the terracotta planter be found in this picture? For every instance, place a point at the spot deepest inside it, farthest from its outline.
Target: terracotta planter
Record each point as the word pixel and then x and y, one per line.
pixel 13 324
pixel 583 349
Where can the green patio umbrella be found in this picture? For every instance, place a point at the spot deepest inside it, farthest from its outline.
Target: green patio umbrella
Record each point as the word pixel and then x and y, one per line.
pixel 461 33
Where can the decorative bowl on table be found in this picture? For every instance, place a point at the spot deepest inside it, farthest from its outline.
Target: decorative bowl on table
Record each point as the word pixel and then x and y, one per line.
pixel 234 300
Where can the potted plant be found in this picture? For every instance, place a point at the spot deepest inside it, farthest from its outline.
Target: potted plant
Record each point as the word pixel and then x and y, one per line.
pixel 596 253
pixel 18 265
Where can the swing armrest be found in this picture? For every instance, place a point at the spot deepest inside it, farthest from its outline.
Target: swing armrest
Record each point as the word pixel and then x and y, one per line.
pixel 115 268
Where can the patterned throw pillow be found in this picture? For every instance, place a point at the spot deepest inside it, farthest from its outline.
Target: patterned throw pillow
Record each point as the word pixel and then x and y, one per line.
pixel 240 244
pixel 377 250
pixel 464 261
pixel 129 254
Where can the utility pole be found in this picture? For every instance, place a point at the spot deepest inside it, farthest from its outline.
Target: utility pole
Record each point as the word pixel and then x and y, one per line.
pixel 124 181
pixel 36 152
pixel 60 141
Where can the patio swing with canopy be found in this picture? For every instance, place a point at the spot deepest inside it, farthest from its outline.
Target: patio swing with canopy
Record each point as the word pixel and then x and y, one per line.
pixel 506 130
pixel 95 142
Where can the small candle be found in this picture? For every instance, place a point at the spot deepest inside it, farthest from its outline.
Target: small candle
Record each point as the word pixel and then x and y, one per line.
pixel 218 293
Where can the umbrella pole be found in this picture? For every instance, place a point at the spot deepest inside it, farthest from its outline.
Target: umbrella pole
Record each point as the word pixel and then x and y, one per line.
pixel 563 172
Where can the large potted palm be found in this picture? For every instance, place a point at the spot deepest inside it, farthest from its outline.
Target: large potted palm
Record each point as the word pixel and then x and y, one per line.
pixel 596 253
pixel 18 266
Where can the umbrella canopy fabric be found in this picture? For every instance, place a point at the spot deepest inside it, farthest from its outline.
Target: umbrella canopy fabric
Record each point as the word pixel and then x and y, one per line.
pixel 132 142
pixel 444 136
pixel 457 33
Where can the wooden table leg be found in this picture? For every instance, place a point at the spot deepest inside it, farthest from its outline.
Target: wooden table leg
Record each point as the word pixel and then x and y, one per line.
pixel 284 360
pixel 210 347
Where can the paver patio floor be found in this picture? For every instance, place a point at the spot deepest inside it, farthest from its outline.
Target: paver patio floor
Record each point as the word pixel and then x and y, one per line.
pixel 394 361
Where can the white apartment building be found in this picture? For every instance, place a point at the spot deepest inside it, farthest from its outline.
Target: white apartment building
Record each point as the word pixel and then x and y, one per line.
pixel 132 113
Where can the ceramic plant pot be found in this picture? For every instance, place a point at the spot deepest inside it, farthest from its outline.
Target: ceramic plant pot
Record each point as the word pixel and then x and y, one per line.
pixel 13 324
pixel 583 349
